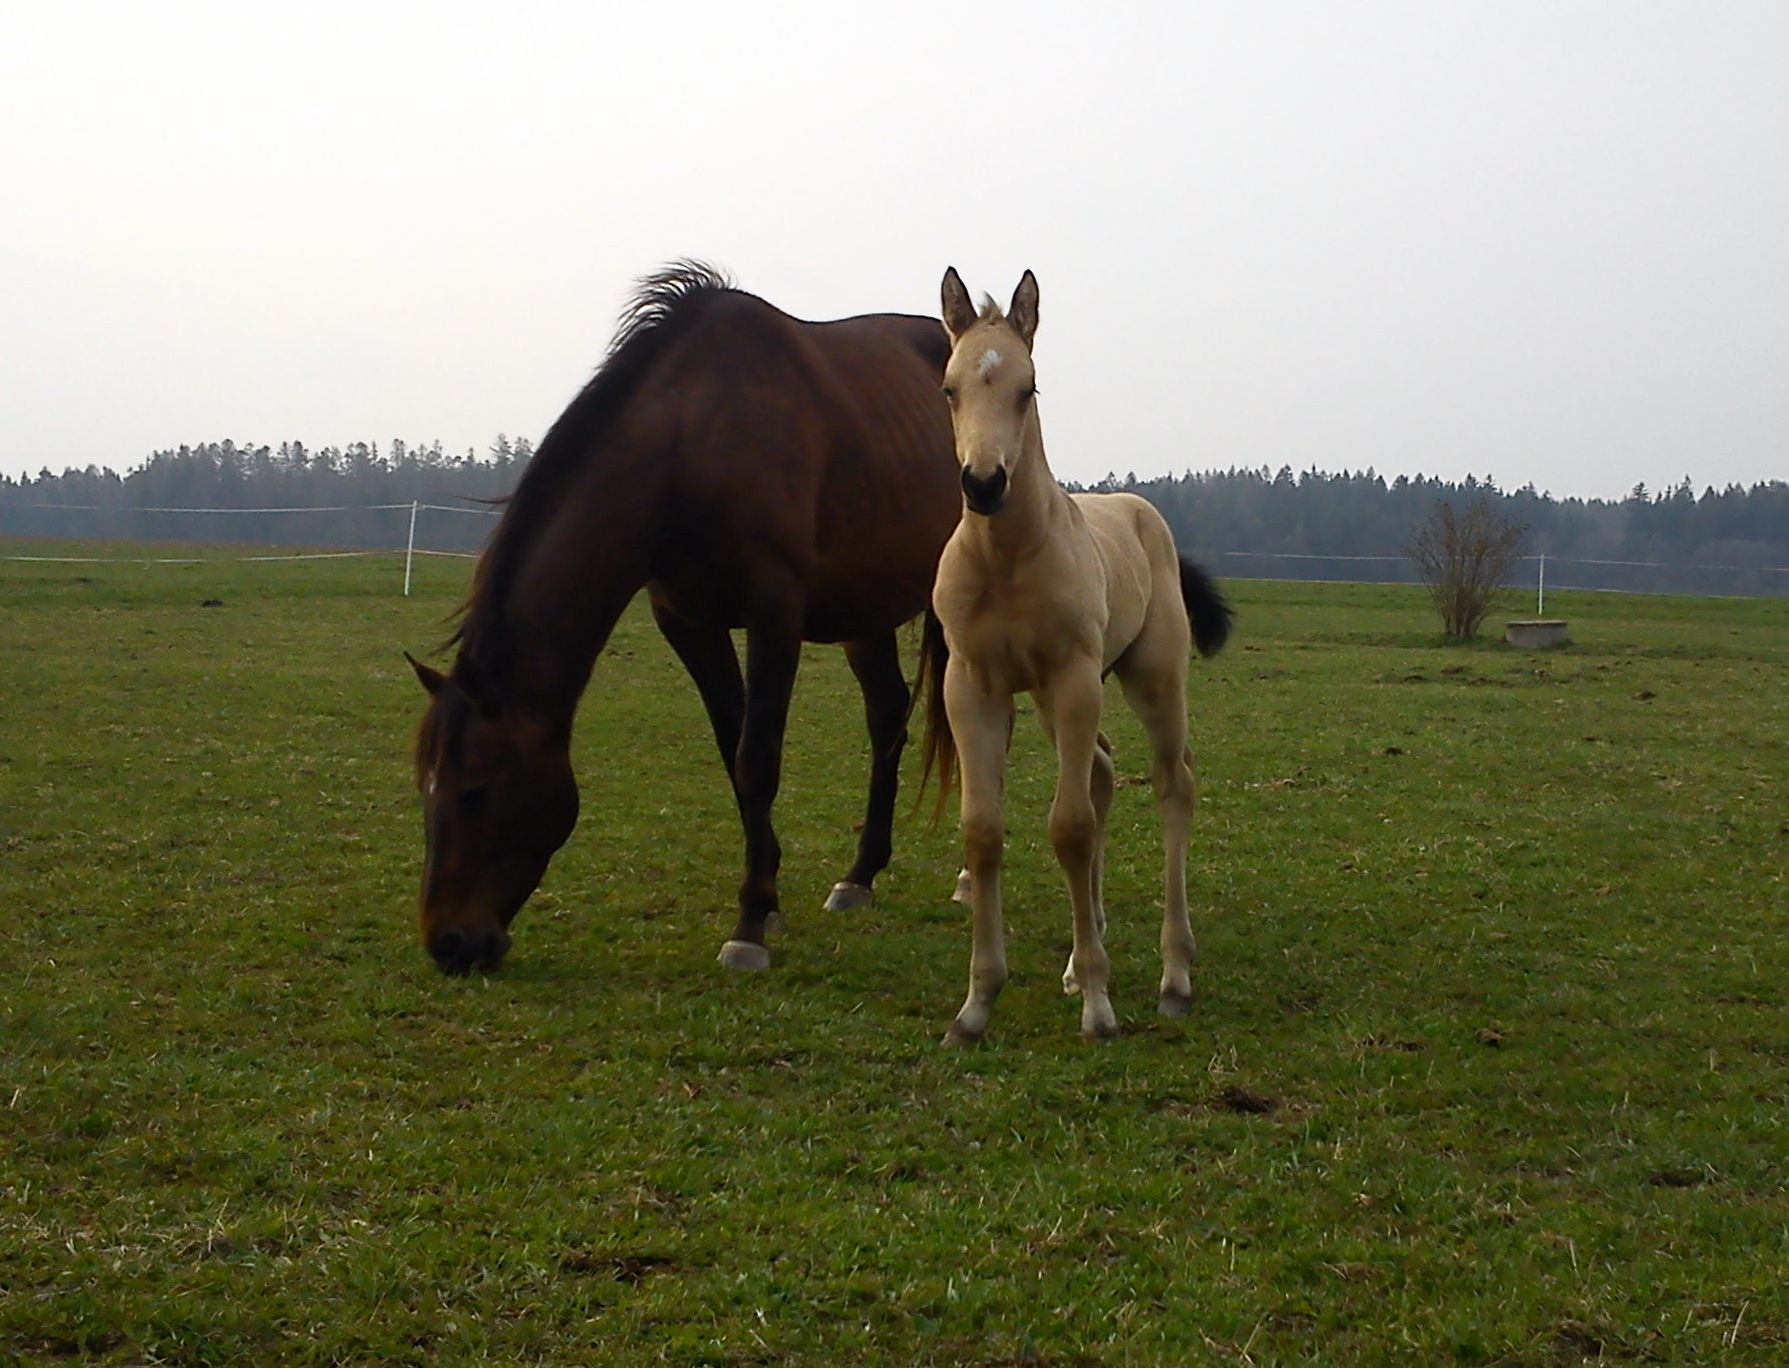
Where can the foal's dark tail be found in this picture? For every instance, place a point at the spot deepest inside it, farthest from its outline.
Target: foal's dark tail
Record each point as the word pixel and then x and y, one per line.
pixel 938 748
pixel 1207 609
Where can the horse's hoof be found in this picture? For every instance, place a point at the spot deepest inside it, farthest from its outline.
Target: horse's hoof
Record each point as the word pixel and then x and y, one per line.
pixel 738 954
pixel 961 1036
pixel 846 895
pixel 773 921
pixel 961 893
pixel 1174 1003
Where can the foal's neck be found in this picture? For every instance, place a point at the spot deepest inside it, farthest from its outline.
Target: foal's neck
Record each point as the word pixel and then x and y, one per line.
pixel 1034 509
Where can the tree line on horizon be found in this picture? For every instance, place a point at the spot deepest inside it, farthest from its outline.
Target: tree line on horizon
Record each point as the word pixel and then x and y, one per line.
pixel 1245 522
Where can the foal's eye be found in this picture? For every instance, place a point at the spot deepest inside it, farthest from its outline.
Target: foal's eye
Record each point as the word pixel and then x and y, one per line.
pixel 1027 394
pixel 950 394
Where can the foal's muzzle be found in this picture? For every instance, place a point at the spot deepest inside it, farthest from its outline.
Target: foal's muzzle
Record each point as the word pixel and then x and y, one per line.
pixel 985 495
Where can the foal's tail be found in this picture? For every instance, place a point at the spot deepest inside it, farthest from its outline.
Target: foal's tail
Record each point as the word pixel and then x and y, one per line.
pixel 938 747
pixel 1207 609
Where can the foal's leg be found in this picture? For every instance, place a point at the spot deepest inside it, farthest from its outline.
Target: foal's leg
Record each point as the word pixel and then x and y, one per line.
pixel 1100 781
pixel 1156 692
pixel 772 653
pixel 961 892
pixel 980 724
pixel 1100 785
pixel 1072 702
pixel 876 661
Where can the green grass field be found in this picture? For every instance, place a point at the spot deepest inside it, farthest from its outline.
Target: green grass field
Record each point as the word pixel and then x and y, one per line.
pixel 1490 1061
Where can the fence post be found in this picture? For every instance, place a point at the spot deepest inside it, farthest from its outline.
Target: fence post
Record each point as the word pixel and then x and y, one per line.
pixel 410 549
pixel 1540 589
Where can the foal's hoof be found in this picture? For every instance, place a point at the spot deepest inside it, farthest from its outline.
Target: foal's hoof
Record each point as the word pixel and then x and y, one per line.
pixel 1100 1032
pixel 738 954
pixel 1174 1003
pixel 846 895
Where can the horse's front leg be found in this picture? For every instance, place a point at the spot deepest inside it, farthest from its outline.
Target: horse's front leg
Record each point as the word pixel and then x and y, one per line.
pixel 707 654
pixel 1072 703
pixel 772 653
pixel 980 723
pixel 876 661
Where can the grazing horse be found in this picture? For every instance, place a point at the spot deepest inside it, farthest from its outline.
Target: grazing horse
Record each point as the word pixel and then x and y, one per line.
pixel 1044 592
pixel 748 470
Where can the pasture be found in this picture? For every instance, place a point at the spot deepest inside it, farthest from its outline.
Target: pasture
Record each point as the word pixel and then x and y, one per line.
pixel 1488 1061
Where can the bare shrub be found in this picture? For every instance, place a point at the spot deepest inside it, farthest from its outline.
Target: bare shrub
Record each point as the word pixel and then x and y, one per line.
pixel 1464 559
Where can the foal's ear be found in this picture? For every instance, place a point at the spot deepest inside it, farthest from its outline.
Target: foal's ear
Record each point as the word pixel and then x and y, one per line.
pixel 959 313
pixel 1023 313
pixel 432 680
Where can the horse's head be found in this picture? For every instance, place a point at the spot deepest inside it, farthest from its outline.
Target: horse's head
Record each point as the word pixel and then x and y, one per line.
pixel 991 387
pixel 498 798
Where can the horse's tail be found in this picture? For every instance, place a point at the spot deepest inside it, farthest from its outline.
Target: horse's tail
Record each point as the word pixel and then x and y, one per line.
pixel 1207 609
pixel 938 748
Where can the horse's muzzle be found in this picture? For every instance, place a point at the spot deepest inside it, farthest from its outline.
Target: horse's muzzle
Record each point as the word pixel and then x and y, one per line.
pixel 985 495
pixel 460 952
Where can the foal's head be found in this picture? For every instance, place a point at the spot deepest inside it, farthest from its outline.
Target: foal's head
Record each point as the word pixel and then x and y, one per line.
pixel 991 387
pixel 498 798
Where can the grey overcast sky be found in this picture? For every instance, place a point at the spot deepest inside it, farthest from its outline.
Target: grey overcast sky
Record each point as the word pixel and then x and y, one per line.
pixel 1542 242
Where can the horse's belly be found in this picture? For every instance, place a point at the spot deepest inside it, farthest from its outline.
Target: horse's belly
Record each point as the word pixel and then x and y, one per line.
pixel 839 608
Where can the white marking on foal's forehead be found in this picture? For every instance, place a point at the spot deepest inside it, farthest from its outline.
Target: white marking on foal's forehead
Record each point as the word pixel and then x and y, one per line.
pixel 989 363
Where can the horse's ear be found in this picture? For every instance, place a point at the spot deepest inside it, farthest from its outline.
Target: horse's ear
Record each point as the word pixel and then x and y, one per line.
pixel 1023 313
pixel 959 313
pixel 432 680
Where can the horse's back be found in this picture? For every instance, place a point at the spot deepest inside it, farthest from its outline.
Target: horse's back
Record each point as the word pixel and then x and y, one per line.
pixel 809 460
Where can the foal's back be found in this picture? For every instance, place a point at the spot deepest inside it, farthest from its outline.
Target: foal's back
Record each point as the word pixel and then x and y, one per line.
pixel 1142 568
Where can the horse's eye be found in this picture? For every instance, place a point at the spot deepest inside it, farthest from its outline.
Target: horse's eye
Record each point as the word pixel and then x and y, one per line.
pixel 473 799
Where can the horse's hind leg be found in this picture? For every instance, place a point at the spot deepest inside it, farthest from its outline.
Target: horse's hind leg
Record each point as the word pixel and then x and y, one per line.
pixel 876 661
pixel 1156 692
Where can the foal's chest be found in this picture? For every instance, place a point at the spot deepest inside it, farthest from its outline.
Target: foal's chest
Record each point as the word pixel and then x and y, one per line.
pixel 1010 637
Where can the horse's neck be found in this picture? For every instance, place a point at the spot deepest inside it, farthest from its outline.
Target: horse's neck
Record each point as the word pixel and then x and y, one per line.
pixel 571 585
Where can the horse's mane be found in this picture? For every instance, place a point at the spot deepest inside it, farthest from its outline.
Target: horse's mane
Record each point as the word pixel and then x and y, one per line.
pixel 662 307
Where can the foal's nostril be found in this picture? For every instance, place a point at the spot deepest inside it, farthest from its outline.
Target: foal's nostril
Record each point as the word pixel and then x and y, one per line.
pixel 984 493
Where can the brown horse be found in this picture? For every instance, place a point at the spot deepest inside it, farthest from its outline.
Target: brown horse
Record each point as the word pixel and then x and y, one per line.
pixel 747 469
